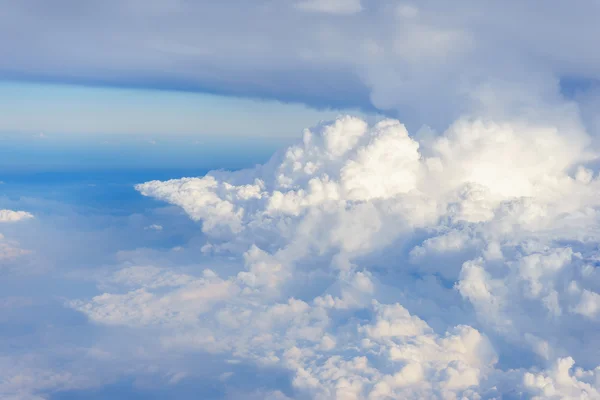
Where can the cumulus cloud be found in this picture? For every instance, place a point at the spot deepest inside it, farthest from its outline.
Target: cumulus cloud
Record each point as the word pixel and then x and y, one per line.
pixel 458 260
pixel 371 263
pixel 14 216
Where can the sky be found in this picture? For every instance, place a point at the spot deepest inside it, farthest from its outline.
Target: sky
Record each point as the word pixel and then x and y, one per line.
pixel 299 199
pixel 79 109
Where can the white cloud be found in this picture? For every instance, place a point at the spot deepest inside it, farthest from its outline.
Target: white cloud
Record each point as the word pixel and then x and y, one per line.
pixel 10 249
pixel 589 304
pixel 148 276
pixel 374 264
pixel 560 383
pixel 25 377
pixel 429 61
pixel 14 216
pixel 142 307
pixel 369 263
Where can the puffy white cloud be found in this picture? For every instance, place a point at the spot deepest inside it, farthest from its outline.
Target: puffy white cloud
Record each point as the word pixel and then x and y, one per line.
pixel 374 264
pixel 14 216
pixel 367 262
pixel 560 383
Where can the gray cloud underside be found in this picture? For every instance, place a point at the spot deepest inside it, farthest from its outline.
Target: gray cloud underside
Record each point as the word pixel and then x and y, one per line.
pixel 429 61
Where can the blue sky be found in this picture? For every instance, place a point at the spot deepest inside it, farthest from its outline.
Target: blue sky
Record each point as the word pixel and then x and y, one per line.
pixel 65 126
pixel 95 110
pixel 299 199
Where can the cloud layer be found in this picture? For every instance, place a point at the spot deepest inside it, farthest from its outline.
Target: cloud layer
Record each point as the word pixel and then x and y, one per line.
pixel 459 260
pixel 428 61
pixel 370 263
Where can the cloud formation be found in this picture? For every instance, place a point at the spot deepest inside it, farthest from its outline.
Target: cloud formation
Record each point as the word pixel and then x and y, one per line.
pixel 428 61
pixel 370 263
pixel 10 249
pixel 459 260
pixel 14 216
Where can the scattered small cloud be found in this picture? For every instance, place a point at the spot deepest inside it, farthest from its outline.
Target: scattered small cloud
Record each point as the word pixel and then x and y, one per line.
pixel 154 227
pixel 14 216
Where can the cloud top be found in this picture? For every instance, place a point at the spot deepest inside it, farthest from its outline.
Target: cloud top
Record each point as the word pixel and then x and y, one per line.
pixel 371 263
